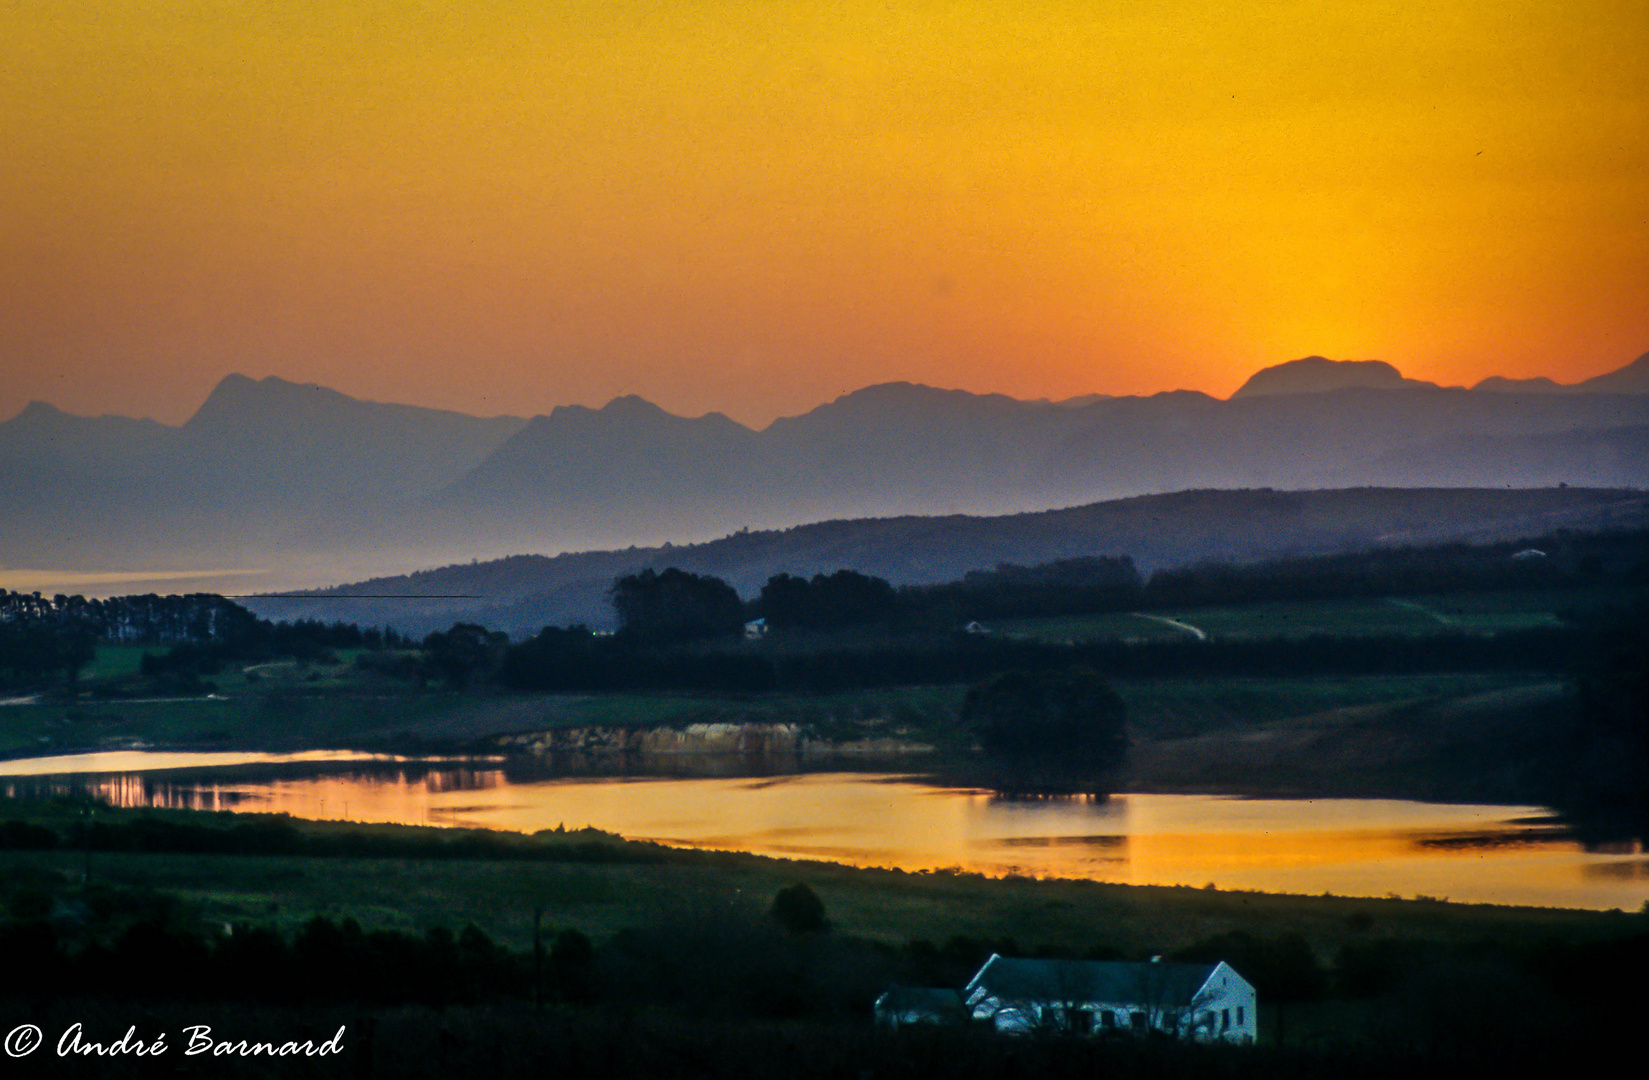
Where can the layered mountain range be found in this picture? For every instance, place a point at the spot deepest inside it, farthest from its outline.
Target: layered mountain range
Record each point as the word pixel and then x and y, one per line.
pixel 272 474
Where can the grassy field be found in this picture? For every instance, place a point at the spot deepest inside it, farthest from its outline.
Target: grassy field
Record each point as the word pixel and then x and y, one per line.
pixel 114 661
pixel 1459 970
pixel 284 710
pixel 1179 708
pixel 1472 613
pixel 601 898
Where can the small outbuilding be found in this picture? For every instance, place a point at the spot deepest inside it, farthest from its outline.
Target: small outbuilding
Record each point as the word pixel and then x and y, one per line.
pixel 902 1006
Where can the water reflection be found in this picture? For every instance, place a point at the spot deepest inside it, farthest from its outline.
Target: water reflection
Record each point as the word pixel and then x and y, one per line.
pixel 1352 847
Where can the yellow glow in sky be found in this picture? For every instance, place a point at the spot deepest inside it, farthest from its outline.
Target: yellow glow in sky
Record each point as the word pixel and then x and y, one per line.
pixel 754 206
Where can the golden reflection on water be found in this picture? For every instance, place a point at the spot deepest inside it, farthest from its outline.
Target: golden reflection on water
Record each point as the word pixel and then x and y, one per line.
pixel 1351 847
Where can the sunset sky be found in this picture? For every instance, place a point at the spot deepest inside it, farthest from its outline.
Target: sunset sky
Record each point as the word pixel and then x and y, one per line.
pixel 505 205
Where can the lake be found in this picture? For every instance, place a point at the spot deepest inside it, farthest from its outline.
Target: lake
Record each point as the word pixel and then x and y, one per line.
pixel 1349 847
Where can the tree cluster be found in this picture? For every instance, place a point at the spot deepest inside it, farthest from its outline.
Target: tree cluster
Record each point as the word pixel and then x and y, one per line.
pixel 574 660
pixel 665 608
pixel 828 602
pixel 1602 775
pixel 42 653
pixel 1049 730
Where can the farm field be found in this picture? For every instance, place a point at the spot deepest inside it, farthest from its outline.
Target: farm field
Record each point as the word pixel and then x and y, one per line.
pixel 600 897
pixel 1470 613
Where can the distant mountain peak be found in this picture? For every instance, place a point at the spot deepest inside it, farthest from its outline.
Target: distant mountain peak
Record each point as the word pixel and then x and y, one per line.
pixel 38 411
pixel 1318 375
pixel 632 405
pixel 238 397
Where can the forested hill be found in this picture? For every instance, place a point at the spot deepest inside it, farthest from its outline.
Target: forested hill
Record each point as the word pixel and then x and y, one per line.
pixel 523 593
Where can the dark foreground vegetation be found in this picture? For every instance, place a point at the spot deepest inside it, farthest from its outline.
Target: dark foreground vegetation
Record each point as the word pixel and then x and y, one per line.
pixel 752 972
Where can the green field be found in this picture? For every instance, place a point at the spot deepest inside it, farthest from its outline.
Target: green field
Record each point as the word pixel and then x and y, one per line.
pixel 415 893
pixel 705 915
pixel 1178 708
pixel 1471 613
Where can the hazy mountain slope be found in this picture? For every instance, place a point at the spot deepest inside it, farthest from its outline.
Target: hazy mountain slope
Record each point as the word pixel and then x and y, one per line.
pixel 304 480
pixel 262 466
pixel 303 443
pixel 526 592
pixel 632 473
pixel 1631 379
pixel 900 447
pixel 44 440
pixel 1618 457
pixel 1306 440
pixel 1539 385
pixel 624 470
pixel 1318 375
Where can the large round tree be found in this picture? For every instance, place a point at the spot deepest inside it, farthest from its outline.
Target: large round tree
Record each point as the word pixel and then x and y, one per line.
pixel 663 608
pixel 1061 731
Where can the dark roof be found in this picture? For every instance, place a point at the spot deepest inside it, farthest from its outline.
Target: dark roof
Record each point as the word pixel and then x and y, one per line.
pixel 1156 983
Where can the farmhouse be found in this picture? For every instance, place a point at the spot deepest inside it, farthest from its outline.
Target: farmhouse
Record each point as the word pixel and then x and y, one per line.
pixel 1206 1002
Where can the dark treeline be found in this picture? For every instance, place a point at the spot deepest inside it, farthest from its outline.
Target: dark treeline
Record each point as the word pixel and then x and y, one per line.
pixel 36 653
pixel 165 957
pixel 47 639
pixel 828 602
pixel 674 606
pixel 144 620
pixel 279 836
pixel 1555 559
pixel 575 660
pixel 195 619
pixel 1066 587
pixel 1096 585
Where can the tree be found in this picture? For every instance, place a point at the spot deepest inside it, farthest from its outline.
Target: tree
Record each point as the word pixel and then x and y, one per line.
pixel 799 910
pixel 464 653
pixel 845 598
pixel 786 601
pixel 663 608
pixel 1606 761
pixel 1049 731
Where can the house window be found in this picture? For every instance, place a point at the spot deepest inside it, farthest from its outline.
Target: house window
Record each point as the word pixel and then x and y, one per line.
pixel 1107 1019
pixel 1084 1022
pixel 1239 1016
pixel 1138 1020
pixel 1225 1019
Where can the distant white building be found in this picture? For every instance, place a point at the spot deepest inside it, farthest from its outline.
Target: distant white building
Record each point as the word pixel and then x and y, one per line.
pixel 1206 1002
pixel 755 629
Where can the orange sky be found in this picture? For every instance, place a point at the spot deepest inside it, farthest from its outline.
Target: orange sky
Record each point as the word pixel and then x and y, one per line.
pixel 752 206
